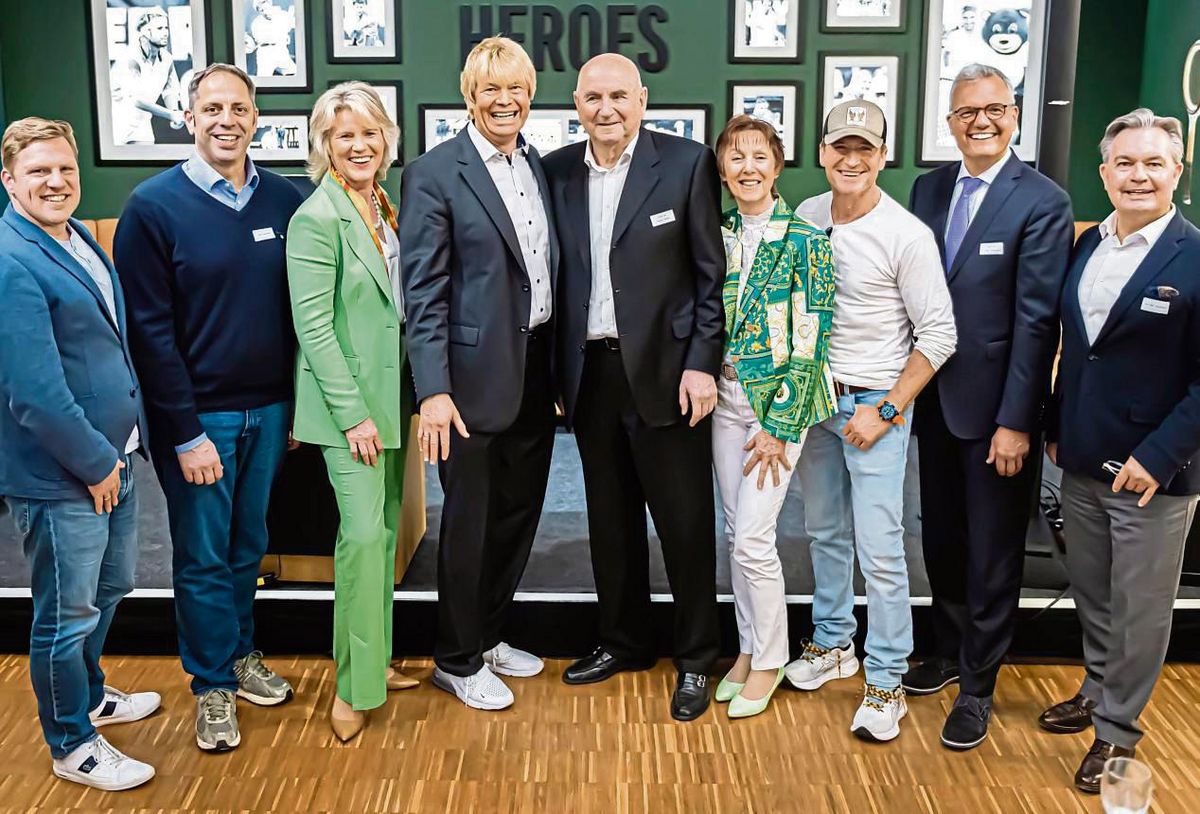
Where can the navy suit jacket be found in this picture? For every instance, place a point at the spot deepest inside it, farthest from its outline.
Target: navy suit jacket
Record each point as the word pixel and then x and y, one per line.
pixel 1136 389
pixel 1005 300
pixel 69 397
pixel 466 290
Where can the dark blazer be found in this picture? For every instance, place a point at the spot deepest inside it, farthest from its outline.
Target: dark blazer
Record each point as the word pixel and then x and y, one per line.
pixel 1136 389
pixel 466 290
pixel 1005 305
pixel 69 396
pixel 666 279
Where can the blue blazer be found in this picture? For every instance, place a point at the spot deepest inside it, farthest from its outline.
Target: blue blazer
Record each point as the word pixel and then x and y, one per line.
pixel 69 396
pixel 1136 389
pixel 1005 297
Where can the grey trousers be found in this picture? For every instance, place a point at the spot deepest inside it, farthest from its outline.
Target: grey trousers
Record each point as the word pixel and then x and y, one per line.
pixel 1124 564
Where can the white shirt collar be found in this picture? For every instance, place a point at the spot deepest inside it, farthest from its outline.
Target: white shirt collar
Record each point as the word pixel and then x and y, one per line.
pixel 626 156
pixel 487 150
pixel 988 176
pixel 1150 233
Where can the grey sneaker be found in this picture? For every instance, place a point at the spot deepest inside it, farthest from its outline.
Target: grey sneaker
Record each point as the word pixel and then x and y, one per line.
pixel 258 683
pixel 216 721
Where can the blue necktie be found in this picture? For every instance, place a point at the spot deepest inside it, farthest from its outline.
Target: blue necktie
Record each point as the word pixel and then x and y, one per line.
pixel 960 219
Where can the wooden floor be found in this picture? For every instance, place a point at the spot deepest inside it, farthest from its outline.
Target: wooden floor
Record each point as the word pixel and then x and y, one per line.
pixel 610 748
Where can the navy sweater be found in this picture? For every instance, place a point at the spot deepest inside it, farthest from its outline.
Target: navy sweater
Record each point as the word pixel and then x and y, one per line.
pixel 209 318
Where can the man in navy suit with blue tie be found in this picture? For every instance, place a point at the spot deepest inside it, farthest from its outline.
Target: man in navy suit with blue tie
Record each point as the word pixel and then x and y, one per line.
pixel 1005 232
pixel 1125 428
pixel 70 417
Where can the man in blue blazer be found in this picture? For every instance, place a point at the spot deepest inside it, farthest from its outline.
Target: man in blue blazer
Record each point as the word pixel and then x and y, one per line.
pixel 1005 234
pixel 1125 429
pixel 71 415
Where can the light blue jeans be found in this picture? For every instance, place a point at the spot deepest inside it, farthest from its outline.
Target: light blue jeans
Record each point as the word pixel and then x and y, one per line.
pixel 854 500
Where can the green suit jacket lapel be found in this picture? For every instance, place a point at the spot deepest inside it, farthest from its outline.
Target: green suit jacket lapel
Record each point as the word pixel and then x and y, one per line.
pixel 355 235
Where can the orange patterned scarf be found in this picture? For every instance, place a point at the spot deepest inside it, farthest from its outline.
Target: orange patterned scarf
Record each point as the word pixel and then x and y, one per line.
pixel 386 210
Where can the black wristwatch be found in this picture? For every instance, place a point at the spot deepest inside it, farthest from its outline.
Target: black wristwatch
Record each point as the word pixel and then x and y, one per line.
pixel 889 413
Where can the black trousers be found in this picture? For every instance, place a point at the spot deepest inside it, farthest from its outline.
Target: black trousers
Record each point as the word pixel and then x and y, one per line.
pixel 973 527
pixel 627 466
pixel 495 484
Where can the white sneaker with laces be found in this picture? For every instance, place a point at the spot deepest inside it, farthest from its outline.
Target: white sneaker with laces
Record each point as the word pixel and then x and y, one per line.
pixel 817 665
pixel 101 765
pixel 878 717
pixel 509 661
pixel 480 691
pixel 123 707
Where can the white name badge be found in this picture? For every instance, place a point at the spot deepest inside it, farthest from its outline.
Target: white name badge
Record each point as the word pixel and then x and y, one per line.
pixel 663 217
pixel 1155 306
pixel 265 233
pixel 991 249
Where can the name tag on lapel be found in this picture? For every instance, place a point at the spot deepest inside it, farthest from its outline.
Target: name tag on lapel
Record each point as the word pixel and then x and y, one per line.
pixel 663 217
pixel 991 249
pixel 265 233
pixel 1155 306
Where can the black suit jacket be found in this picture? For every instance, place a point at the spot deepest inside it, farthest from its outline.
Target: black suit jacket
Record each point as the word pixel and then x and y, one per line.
pixel 466 290
pixel 666 279
pixel 1136 389
pixel 1006 304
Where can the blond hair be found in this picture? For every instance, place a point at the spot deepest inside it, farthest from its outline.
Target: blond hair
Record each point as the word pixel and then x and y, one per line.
pixel 500 60
pixel 23 132
pixel 359 98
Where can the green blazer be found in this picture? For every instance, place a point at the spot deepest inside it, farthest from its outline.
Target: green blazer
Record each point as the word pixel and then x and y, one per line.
pixel 351 354
pixel 778 334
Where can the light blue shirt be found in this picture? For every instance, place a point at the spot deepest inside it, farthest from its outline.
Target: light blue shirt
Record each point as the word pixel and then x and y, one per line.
pixel 201 173
pixel 988 177
pixel 217 186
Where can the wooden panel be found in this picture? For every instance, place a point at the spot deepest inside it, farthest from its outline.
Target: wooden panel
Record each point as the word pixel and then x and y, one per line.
pixel 609 749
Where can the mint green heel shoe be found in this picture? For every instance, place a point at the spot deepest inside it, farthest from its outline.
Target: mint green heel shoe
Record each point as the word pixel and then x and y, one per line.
pixel 727 689
pixel 739 707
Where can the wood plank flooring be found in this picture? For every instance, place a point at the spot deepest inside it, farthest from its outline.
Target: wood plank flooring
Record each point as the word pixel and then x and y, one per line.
pixel 610 748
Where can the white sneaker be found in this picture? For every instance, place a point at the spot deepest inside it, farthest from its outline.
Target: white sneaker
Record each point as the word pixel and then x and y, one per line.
pixel 123 707
pixel 878 717
pixel 509 661
pixel 481 691
pixel 817 665
pixel 101 765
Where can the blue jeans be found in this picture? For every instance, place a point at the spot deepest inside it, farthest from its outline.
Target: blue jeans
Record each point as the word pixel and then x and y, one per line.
pixel 83 564
pixel 219 537
pixel 855 498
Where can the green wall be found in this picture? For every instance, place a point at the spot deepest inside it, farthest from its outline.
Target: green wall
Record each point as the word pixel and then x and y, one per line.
pixel 697 73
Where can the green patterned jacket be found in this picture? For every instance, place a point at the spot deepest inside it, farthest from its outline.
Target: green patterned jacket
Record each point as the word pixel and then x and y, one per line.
pixel 778 335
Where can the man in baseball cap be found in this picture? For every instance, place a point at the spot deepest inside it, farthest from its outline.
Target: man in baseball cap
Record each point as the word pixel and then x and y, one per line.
pixel 892 328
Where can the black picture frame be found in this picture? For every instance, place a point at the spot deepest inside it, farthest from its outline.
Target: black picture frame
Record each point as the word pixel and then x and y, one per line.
pixel 797 114
pixel 299 160
pixel 826 28
pixel 304 8
pixel 398 84
pixel 731 44
pixel 895 128
pixel 331 50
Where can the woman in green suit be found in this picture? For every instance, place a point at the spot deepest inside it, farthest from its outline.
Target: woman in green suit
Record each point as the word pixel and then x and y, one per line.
pixel 343 258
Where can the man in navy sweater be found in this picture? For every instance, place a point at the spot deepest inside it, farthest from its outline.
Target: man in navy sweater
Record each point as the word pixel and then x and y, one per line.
pixel 200 251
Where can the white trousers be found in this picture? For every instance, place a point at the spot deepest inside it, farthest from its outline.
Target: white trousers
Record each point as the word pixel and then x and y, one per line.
pixel 750 518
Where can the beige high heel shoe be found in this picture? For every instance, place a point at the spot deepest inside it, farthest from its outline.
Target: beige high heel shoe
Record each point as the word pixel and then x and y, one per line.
pixel 345 721
pixel 397 680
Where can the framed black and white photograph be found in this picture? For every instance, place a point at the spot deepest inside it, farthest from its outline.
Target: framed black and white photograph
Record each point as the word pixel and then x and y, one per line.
pixel 765 31
pixel 391 93
pixel 440 123
pixel 144 53
pixel 364 31
pixel 1007 34
pixel 774 102
pixel 862 16
pixel 269 41
pixel 280 138
pixel 870 77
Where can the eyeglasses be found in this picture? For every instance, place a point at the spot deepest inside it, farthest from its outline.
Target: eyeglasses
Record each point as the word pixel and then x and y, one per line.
pixel 966 115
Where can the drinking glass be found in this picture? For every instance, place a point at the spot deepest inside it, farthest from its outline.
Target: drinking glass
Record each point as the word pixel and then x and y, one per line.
pixel 1125 786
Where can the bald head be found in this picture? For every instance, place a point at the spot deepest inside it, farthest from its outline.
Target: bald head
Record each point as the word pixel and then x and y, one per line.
pixel 610 100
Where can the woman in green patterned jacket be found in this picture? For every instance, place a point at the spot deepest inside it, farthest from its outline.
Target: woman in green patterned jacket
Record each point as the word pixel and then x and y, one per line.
pixel 774 385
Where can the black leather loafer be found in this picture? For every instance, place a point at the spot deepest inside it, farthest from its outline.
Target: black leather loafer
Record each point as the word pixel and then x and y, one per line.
pixel 690 698
pixel 601 665
pixel 1087 779
pixel 1068 717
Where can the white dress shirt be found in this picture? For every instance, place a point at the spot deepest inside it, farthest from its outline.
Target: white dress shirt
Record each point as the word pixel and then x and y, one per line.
pixel 518 189
pixel 1111 265
pixel 987 177
pixel 604 194
pixel 391 258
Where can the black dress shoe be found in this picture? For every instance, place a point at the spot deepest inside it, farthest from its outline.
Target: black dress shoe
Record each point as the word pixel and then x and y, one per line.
pixel 930 676
pixel 1087 779
pixel 1068 717
pixel 691 696
pixel 966 725
pixel 601 665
